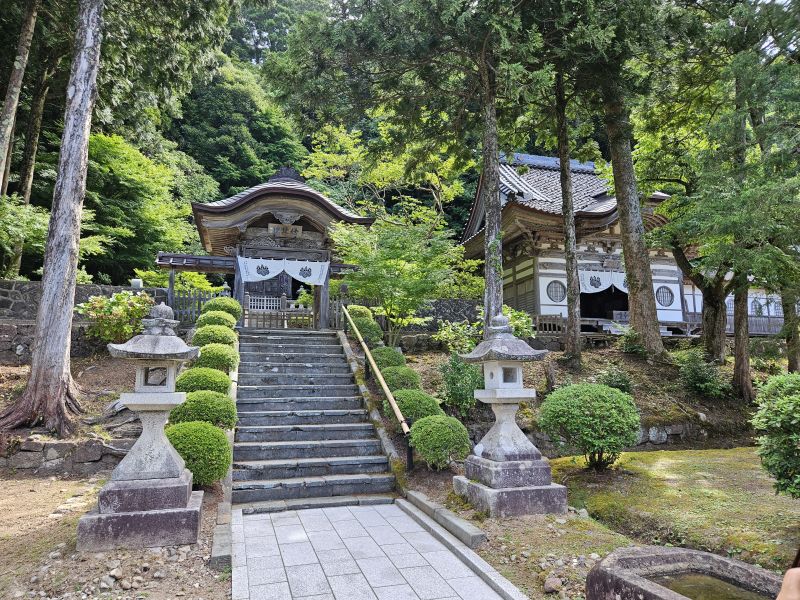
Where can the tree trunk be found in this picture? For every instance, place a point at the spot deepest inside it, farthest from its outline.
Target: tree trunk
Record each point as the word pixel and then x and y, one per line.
pixel 791 329
pixel 642 303
pixel 11 101
pixel 572 336
pixel 490 188
pixel 51 395
pixel 6 173
pixel 715 322
pixel 742 381
pixel 29 158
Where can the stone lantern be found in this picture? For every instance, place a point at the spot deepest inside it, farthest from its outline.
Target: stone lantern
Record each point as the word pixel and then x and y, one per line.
pixel 149 499
pixel 507 475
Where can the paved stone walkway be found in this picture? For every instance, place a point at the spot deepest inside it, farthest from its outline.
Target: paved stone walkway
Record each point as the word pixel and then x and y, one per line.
pixel 346 553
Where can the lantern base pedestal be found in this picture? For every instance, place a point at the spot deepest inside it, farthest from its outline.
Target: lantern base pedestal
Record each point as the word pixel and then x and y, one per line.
pixel 141 529
pixel 511 488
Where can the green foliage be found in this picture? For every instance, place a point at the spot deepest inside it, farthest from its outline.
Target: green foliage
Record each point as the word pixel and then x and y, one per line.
pixel 630 342
pixel 356 310
pixel 439 440
pixel 184 280
pixel 214 334
pixel 777 420
pixel 116 318
pixel 305 297
pixel 216 317
pixel 210 407
pixel 616 377
pixel 233 128
pixel 461 337
pixel 218 356
pixel 225 304
pixel 597 420
pixel 388 357
pixel 401 261
pixel 204 448
pixel 203 378
pixel 401 378
pixel 700 376
pixel 21 224
pixel 459 382
pixel 414 404
pixel 370 331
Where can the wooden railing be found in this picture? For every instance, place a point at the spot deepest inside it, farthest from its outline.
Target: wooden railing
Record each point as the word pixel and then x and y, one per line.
pixel 377 374
pixel 186 304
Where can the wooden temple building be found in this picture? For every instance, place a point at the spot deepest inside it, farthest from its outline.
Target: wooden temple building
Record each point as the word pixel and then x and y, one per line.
pixel 534 275
pixel 273 238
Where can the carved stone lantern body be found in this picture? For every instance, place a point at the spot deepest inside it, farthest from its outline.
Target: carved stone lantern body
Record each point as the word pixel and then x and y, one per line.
pixel 149 499
pixel 506 474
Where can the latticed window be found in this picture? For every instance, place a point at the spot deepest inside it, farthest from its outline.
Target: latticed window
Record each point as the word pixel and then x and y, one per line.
pixel 665 296
pixel 756 308
pixel 556 291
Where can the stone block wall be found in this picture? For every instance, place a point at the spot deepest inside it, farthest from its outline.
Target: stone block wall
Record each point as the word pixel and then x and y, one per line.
pixel 83 457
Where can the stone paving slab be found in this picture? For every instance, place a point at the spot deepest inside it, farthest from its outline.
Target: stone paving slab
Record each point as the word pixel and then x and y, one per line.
pixel 346 553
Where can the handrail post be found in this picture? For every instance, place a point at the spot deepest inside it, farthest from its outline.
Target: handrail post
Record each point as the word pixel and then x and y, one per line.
pixel 409 448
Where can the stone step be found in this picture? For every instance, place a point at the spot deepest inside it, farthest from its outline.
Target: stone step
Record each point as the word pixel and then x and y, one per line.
pixel 300 417
pixel 297 347
pixel 287 433
pixel 283 379
pixel 299 357
pixel 295 333
pixel 305 487
pixel 295 391
pixel 299 403
pixel 274 506
pixel 328 340
pixel 308 467
pixel 246 451
pixel 302 368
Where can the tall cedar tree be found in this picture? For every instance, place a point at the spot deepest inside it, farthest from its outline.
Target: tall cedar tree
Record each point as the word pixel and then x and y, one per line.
pixel 440 70
pixel 51 395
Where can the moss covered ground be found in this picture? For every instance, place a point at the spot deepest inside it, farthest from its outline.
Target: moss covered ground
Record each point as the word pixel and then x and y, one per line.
pixel 715 500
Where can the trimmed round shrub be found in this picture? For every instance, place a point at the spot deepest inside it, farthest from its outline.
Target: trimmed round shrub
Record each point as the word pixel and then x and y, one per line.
pixel 439 440
pixel 388 357
pixel 225 304
pixel 218 356
pixel 370 331
pixel 414 404
pixel 203 378
pixel 401 378
pixel 356 310
pixel 214 334
pixel 204 448
pixel 210 407
pixel 597 420
pixel 216 317
pixel 777 420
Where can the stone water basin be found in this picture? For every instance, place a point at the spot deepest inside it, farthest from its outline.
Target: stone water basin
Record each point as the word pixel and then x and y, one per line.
pixel 657 573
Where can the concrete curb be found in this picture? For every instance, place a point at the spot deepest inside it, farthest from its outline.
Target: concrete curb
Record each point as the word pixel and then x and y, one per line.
pixel 464 530
pixel 386 441
pixel 221 546
pixel 480 567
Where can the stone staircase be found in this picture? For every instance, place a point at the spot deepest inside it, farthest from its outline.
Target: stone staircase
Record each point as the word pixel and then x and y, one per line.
pixel 303 431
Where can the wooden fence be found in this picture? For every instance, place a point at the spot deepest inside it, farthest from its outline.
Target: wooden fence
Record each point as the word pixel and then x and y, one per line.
pixel 186 304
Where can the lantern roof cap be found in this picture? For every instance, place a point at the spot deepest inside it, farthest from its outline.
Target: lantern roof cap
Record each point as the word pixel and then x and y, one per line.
pixel 158 341
pixel 502 345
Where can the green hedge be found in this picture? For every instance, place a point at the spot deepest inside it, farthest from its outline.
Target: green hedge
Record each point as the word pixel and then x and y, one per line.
pixel 598 420
pixel 216 317
pixel 218 356
pixel 212 407
pixel 214 334
pixel 225 304
pixel 414 404
pixel 204 448
pixel 370 331
pixel 440 439
pixel 203 378
pixel 356 310
pixel 401 378
pixel 388 357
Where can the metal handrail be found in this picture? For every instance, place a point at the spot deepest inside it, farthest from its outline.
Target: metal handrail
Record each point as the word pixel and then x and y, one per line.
pixel 371 361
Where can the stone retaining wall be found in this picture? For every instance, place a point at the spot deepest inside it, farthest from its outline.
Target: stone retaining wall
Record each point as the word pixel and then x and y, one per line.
pixel 16 340
pixel 20 299
pixel 84 457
